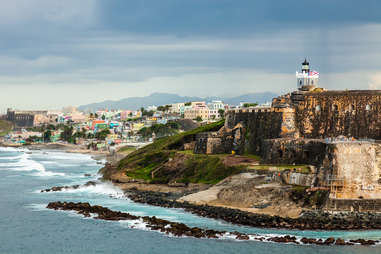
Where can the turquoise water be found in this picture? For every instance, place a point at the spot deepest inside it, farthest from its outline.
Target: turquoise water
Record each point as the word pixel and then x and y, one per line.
pixel 26 226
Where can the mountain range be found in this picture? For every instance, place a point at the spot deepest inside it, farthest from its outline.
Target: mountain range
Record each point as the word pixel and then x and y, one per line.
pixel 157 99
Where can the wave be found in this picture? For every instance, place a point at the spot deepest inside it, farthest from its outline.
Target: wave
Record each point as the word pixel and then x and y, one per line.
pixel 68 156
pixel 37 207
pixel 10 149
pixel 102 188
pixel 141 225
pixel 25 163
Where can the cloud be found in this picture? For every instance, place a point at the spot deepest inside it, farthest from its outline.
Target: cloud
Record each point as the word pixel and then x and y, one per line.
pixel 375 81
pixel 68 12
pixel 92 50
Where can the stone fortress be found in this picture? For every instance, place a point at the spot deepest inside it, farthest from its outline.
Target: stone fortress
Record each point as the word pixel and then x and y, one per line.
pixel 336 132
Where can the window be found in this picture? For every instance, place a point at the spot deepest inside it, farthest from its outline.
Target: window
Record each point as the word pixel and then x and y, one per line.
pixel 367 107
pixel 317 108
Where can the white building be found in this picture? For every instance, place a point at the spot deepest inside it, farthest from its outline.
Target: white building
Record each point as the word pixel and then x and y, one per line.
pixel 151 108
pixel 216 105
pixel 176 108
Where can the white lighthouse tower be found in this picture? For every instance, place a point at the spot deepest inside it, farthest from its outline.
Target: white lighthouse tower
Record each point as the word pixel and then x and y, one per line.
pixel 307 80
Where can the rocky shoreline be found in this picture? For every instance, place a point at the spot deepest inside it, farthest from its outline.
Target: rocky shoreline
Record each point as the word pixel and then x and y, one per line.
pixel 181 230
pixel 308 221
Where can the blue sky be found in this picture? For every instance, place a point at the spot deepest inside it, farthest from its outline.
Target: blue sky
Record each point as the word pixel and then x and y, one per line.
pixel 55 53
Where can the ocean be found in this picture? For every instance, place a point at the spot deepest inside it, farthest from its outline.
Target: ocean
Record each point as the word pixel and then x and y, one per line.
pixel 26 226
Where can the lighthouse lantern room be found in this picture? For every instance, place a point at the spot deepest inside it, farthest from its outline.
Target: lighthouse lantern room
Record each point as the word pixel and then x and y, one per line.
pixel 307 80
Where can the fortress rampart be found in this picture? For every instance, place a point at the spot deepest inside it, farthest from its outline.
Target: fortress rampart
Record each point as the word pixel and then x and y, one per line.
pixel 333 113
pixel 338 132
pixel 335 131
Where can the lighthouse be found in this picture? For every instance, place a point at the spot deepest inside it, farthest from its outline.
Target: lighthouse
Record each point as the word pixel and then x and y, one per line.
pixel 307 80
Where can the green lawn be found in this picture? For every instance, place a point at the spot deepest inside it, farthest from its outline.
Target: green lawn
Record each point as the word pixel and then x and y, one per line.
pixel 305 169
pixel 127 149
pixel 5 127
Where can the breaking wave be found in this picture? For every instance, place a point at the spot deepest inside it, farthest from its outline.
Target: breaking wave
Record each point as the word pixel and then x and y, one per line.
pixel 25 163
pixel 101 188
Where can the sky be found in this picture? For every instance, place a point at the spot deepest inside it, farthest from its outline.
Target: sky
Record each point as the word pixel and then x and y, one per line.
pixel 56 53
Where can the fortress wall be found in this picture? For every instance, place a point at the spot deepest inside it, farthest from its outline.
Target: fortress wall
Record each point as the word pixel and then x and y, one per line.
pixel 333 113
pixel 354 205
pixel 290 151
pixel 261 124
pixel 356 170
pixel 213 143
pixel 299 179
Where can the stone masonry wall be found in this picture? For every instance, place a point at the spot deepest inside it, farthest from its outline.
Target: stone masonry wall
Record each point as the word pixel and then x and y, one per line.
pixel 261 124
pixel 213 143
pixel 354 205
pixel 356 170
pixel 333 113
pixel 290 151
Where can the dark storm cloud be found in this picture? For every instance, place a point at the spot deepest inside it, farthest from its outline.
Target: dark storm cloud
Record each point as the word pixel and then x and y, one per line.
pixel 118 48
pixel 226 17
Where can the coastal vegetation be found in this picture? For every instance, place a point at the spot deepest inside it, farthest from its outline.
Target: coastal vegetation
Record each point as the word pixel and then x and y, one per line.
pixel 160 130
pixel 5 127
pixel 206 169
pixel 246 105
pixel 142 163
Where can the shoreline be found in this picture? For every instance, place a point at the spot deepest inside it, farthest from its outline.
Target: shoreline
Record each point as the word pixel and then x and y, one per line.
pixel 308 221
pixel 168 196
pixel 239 217
pixel 177 229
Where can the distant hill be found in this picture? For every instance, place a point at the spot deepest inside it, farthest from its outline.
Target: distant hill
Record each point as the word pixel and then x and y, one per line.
pixel 157 99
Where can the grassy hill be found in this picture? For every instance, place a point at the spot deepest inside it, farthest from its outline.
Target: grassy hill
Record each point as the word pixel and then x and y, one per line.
pixel 188 167
pixel 5 127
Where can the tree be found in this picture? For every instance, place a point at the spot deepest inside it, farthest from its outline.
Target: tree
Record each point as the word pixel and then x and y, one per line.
pixel 67 134
pixel 246 105
pixel 167 107
pixel 47 136
pixel 102 134
pixel 103 117
pixel 221 113
pixel 161 108
pixel 147 113
pixel 198 119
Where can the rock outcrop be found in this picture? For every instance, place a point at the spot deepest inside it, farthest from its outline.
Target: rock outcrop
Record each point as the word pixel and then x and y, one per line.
pixel 181 230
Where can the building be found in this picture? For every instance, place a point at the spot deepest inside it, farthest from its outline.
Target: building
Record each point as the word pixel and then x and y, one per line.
pixel 27 118
pixel 216 105
pixel 338 133
pixel 194 113
pixel 176 108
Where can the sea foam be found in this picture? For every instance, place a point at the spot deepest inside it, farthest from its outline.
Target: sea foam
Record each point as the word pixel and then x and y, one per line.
pixel 25 163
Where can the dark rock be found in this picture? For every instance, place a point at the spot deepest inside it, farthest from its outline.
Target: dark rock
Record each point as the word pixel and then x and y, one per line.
pixel 340 241
pixel 329 241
